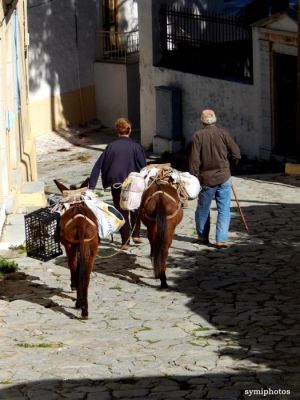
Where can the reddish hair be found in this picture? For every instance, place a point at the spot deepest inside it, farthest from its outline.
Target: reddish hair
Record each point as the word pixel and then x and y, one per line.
pixel 123 126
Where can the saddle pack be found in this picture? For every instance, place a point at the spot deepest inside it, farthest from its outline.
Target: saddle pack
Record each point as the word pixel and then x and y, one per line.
pixel 132 191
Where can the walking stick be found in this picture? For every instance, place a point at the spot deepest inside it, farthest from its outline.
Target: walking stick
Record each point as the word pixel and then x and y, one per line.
pixel 239 207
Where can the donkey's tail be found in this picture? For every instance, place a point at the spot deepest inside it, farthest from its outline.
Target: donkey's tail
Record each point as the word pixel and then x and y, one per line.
pixel 161 223
pixel 82 262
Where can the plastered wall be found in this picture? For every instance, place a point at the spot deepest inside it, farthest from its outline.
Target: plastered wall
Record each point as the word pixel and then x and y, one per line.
pixel 236 104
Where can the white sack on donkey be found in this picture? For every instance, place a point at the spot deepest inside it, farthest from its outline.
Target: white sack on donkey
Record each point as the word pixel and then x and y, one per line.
pixel 191 184
pixel 132 191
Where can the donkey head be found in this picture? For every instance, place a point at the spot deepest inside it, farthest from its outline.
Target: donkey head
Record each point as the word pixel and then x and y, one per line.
pixel 63 188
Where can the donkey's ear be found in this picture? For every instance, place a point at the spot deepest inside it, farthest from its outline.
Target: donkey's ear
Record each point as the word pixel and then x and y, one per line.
pixel 60 185
pixel 85 183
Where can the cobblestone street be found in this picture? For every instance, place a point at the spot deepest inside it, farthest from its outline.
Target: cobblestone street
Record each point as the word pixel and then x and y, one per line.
pixel 227 326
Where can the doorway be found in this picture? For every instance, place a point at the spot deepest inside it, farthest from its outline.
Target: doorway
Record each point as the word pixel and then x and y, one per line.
pixel 285 105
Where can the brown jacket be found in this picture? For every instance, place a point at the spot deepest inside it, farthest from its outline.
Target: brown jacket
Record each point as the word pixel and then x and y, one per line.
pixel 209 155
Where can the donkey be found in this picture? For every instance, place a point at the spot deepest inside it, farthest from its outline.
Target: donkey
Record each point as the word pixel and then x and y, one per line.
pixel 161 211
pixel 79 235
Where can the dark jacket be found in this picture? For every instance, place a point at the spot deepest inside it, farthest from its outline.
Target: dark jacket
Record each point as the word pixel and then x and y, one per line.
pixel 116 162
pixel 209 155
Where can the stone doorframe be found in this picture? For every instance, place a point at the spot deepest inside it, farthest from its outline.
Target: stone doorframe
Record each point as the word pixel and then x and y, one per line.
pixel 266 43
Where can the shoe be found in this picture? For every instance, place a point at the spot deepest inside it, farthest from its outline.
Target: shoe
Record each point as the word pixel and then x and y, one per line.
pixel 125 247
pixel 202 240
pixel 137 240
pixel 222 245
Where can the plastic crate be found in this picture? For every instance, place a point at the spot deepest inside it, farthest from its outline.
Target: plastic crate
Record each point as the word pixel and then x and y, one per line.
pixel 42 234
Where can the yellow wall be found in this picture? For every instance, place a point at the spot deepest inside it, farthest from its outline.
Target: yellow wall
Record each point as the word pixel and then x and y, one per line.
pixel 292 169
pixel 59 111
pixel 17 145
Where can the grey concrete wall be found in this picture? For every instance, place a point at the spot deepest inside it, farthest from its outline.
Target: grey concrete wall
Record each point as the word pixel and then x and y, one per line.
pixel 133 94
pixel 117 92
pixel 111 92
pixel 57 63
pixel 234 104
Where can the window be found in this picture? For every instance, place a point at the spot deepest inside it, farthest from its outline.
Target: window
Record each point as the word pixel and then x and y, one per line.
pixel 110 22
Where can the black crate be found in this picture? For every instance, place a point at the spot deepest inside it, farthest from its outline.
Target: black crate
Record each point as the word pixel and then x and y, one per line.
pixel 42 234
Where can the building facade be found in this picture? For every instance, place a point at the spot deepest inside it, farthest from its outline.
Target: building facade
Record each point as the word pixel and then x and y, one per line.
pixel 117 64
pixel 17 146
pixel 61 60
pixel 248 93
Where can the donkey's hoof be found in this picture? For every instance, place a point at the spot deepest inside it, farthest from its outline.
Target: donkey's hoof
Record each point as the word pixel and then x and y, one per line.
pixel 84 315
pixel 164 285
pixel 73 287
pixel 77 304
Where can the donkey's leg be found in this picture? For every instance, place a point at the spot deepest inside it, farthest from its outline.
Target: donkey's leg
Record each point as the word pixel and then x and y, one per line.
pixel 79 300
pixel 84 304
pixel 151 252
pixel 73 260
pixel 162 276
pixel 79 291
pixel 85 285
pixel 163 280
pixel 152 233
pixel 164 256
pixel 151 230
pixel 72 263
pixel 78 281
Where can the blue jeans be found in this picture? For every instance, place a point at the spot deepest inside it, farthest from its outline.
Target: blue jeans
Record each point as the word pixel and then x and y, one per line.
pixel 222 195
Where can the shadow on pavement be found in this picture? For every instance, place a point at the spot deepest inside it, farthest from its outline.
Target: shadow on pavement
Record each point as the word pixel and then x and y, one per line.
pixel 91 137
pixel 20 286
pixel 195 387
pixel 250 292
pixel 112 262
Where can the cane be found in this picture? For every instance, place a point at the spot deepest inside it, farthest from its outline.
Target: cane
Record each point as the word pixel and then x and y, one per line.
pixel 239 207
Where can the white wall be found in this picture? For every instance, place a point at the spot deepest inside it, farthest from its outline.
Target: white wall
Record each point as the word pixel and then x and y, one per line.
pixel 3 147
pixel 111 92
pixel 56 64
pixel 235 104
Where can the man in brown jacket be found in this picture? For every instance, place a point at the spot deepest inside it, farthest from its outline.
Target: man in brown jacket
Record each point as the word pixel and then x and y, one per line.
pixel 209 163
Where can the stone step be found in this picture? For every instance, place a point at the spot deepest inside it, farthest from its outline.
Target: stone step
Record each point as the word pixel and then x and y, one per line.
pixel 31 197
pixel 13 231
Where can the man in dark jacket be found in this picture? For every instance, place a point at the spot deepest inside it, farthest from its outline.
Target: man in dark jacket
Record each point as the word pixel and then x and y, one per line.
pixel 119 159
pixel 209 162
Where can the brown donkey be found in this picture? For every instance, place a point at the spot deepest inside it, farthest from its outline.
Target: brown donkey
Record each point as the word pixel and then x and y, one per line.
pixel 79 235
pixel 161 211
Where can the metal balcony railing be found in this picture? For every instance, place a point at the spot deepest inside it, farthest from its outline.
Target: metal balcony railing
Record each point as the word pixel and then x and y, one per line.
pixel 117 46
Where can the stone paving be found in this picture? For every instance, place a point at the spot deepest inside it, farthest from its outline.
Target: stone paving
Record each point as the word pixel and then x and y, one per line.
pixel 228 327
